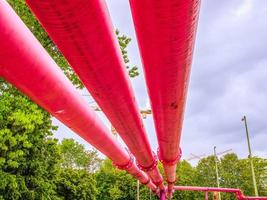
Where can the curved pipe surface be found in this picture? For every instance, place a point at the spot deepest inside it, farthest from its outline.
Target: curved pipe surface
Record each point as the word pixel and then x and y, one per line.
pixel 165 31
pixel 83 32
pixel 26 65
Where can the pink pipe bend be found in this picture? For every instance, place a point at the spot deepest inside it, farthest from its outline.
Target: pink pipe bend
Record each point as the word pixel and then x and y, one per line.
pixel 166 32
pixel 26 65
pixel 83 32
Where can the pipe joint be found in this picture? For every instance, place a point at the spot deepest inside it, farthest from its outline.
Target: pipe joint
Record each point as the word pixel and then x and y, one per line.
pixel 152 166
pixel 171 182
pixel 147 182
pixel 158 183
pixel 128 165
pixel 172 162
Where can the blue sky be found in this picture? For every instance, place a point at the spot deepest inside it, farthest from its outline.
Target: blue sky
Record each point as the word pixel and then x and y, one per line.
pixel 228 78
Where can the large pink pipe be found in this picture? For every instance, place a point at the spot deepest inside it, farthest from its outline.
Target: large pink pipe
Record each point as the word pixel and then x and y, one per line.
pixel 26 65
pixel 166 33
pixel 237 192
pixel 83 32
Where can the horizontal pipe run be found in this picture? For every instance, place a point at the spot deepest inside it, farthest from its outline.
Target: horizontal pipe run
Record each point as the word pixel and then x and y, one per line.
pixel 237 192
pixel 26 65
pixel 166 32
pixel 204 189
pixel 83 32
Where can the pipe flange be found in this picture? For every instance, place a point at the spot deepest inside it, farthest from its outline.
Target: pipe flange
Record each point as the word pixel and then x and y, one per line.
pixel 127 165
pixel 172 162
pixel 147 182
pixel 152 166
pixel 171 182
pixel 158 183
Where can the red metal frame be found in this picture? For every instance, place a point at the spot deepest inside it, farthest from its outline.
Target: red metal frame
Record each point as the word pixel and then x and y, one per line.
pixel 166 34
pixel 83 32
pixel 26 65
pixel 237 192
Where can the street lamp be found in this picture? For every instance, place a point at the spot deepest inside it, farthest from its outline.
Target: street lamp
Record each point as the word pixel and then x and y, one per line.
pixel 250 158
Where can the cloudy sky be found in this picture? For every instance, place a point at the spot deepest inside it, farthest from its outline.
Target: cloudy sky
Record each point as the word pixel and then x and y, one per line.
pixel 228 78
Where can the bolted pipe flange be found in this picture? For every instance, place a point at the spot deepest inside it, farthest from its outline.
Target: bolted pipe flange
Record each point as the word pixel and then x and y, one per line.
pixel 171 182
pixel 127 165
pixel 172 162
pixel 158 183
pixel 147 182
pixel 152 166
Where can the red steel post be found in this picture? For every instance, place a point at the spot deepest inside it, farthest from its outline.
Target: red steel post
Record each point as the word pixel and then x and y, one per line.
pixel 206 195
pixel 165 31
pixel 162 195
pixel 83 32
pixel 26 65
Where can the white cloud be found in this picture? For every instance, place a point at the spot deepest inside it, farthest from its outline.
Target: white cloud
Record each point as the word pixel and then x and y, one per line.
pixel 244 8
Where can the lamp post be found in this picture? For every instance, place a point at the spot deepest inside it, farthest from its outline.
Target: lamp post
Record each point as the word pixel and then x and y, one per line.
pixel 216 170
pixel 137 195
pixel 250 158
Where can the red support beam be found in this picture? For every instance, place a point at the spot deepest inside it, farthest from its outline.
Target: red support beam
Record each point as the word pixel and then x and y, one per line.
pixel 166 32
pixel 237 192
pixel 83 32
pixel 26 65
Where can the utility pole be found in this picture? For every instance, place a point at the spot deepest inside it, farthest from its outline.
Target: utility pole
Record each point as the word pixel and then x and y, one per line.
pixel 137 195
pixel 250 158
pixel 216 169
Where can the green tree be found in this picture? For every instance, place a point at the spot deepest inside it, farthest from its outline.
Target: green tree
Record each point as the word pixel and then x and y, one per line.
pixel 124 41
pixel 76 184
pixel 114 184
pixel 229 168
pixel 233 173
pixel 205 175
pixel 246 185
pixel 75 156
pixel 186 175
pixel 230 172
pixel 29 157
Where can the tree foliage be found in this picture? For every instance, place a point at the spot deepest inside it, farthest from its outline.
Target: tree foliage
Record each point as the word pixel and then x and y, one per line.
pixel 29 157
pixel 77 157
pixel 233 172
pixel 115 184
pixel 124 41
pixel 76 184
